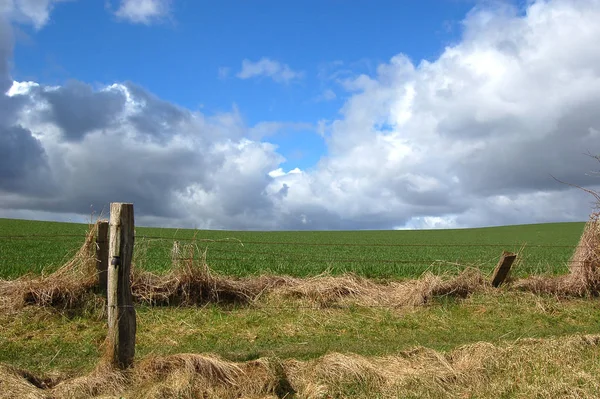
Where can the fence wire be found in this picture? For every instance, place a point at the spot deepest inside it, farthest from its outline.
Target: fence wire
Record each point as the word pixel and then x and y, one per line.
pixel 155 251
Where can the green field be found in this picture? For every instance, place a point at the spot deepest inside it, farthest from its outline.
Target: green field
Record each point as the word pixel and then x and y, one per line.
pixel 494 323
pixel 36 247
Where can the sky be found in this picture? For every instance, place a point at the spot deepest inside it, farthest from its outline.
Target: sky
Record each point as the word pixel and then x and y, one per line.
pixel 300 115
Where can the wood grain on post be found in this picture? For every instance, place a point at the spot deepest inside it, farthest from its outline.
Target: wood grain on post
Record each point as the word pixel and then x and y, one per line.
pixel 503 268
pixel 102 253
pixel 121 314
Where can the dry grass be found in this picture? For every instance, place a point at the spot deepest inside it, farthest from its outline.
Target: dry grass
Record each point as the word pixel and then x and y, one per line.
pixel 584 277
pixel 190 282
pixel 15 383
pixel 68 287
pixel 532 368
pixel 328 290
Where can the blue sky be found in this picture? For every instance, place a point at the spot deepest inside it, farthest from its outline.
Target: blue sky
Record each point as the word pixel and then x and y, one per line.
pixel 179 58
pixel 300 115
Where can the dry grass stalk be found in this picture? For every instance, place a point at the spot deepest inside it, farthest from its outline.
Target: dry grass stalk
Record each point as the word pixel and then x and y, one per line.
pixel 585 262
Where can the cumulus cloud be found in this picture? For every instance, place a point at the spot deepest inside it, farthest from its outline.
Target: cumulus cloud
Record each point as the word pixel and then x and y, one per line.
pixel 472 138
pixel 137 149
pixel 280 73
pixel 143 11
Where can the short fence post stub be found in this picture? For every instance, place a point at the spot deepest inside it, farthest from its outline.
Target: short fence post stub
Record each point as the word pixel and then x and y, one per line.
pixel 503 268
pixel 121 314
pixel 102 254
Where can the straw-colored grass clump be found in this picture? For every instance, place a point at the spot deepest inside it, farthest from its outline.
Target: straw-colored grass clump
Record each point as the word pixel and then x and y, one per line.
pixel 584 276
pixel 532 368
pixel 189 282
pixel 68 287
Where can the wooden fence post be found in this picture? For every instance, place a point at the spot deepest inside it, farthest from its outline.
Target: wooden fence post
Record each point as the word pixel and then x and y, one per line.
pixel 102 254
pixel 121 314
pixel 503 268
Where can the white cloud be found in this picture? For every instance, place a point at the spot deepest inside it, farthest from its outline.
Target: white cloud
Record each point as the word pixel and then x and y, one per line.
pixel 143 11
pixel 20 88
pixel 35 12
pixel 280 73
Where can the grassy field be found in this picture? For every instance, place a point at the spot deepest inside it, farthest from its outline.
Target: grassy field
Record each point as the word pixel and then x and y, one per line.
pixel 443 347
pixel 375 254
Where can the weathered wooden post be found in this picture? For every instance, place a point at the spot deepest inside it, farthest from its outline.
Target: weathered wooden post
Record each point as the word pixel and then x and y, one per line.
pixel 102 254
pixel 503 268
pixel 121 314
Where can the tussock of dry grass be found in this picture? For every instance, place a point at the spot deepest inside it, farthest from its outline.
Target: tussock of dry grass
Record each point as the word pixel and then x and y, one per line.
pixel 329 290
pixel 66 288
pixel 213 370
pixel 540 368
pixel 584 277
pixel 15 383
pixel 190 282
pixel 101 382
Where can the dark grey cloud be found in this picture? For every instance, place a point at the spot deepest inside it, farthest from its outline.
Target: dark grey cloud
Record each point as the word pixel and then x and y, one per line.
pixel 79 109
pixel 126 145
pixel 22 160
pixel 157 118
pixel 6 48
pixel 530 164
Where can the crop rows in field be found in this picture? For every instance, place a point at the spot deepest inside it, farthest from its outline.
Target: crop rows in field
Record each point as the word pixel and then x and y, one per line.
pixel 545 248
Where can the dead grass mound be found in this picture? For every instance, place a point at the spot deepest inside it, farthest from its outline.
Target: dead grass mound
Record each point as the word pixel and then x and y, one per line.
pixel 533 368
pixel 66 288
pixel 330 290
pixel 585 262
pixel 564 367
pixel 584 277
pixel 103 381
pixel 191 282
pixel 16 383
